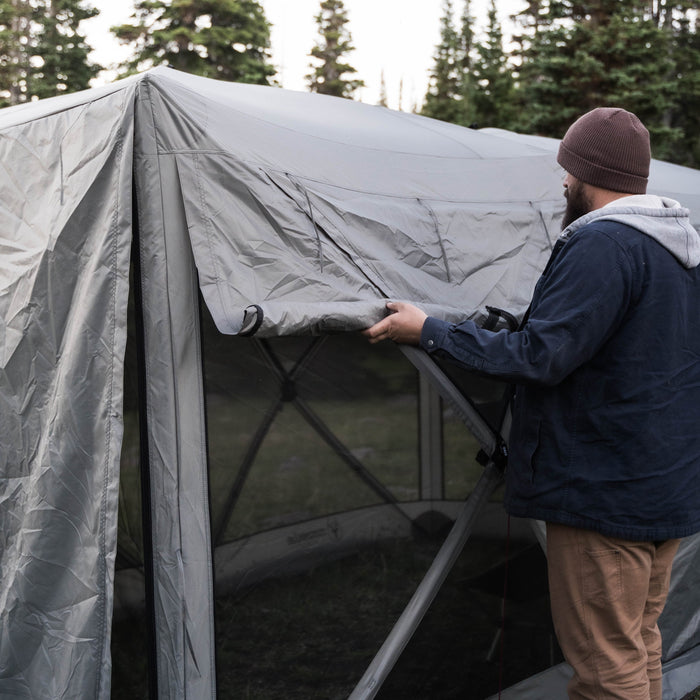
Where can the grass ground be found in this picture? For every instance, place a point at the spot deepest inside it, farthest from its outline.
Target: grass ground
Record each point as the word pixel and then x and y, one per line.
pixel 311 636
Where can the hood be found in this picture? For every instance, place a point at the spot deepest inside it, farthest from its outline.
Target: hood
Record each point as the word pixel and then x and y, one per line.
pixel 661 218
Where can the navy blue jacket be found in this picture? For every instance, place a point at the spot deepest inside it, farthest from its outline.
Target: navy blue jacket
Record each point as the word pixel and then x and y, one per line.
pixel 606 417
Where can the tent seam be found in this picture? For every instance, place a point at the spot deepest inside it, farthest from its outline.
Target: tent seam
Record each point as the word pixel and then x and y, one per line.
pixel 431 156
pixel 259 166
pixel 441 243
pixel 108 437
pixel 310 214
pixel 147 338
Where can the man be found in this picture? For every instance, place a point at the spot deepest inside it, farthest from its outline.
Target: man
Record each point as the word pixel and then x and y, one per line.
pixel 604 445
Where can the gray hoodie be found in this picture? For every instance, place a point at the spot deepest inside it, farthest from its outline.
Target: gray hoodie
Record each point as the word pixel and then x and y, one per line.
pixel 661 218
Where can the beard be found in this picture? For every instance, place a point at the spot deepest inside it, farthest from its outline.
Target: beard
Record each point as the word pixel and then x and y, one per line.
pixel 578 203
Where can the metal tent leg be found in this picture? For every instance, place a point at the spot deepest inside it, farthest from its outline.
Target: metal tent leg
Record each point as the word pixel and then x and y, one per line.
pixel 407 624
pixel 493 445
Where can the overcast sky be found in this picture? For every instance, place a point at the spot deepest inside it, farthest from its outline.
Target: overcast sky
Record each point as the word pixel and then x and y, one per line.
pixel 397 37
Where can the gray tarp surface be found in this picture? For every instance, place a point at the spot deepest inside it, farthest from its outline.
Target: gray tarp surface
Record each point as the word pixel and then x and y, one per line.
pixel 318 209
pixel 65 213
pixel 312 209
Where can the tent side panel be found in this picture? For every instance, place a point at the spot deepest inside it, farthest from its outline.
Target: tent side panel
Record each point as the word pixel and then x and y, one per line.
pixel 182 565
pixel 680 620
pixel 65 236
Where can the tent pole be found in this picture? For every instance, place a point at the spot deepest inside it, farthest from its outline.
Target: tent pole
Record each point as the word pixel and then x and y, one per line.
pixel 144 461
pixel 287 380
pixel 492 476
pixel 263 428
pixel 406 625
pixel 482 431
pixel 244 470
pixel 339 448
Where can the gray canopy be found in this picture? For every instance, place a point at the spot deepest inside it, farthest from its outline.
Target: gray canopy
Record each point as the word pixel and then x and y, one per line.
pixel 294 214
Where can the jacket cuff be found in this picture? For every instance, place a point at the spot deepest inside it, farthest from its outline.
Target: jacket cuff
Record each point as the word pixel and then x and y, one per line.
pixel 432 334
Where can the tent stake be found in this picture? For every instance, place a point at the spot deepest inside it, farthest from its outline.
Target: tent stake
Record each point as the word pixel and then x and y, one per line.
pixel 406 625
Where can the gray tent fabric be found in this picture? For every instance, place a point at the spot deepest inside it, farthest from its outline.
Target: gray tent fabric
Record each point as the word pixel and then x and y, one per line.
pixel 179 509
pixel 292 213
pixel 681 616
pixel 317 210
pixel 65 232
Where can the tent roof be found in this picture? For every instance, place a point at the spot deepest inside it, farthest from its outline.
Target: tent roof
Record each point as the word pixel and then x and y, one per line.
pixel 39 109
pixel 345 143
pixel 306 212
pixel 666 179
pixel 310 211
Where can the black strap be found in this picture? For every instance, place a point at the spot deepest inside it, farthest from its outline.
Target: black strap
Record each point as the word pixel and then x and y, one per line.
pixel 495 314
pixel 259 316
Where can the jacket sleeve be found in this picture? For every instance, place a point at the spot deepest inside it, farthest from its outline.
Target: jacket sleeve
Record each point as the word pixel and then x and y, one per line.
pixel 577 305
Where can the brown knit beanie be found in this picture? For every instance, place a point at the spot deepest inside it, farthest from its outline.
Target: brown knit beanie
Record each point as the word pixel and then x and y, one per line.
pixel 608 148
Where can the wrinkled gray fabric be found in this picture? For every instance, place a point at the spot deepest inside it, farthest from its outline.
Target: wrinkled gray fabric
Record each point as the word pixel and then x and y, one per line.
pixel 65 210
pixel 296 201
pixel 179 512
pixel 680 620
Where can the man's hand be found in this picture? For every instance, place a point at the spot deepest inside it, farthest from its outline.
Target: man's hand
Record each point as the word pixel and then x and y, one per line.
pixel 403 325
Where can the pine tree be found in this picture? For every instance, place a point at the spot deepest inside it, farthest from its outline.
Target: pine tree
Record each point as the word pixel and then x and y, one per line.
pixel 15 51
pixel 42 52
pixel 329 74
pixel 494 96
pixel 383 100
pixel 465 58
pixel 676 135
pixel 444 98
pixel 224 39
pixel 590 54
pixel 62 50
pixel 541 67
pixel 684 114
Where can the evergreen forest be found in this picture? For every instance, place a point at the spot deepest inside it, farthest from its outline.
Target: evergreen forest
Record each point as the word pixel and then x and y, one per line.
pixel 533 71
pixel 565 57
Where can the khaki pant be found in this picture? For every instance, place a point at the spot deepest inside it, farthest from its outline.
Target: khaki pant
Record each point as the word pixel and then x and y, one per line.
pixel 607 595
